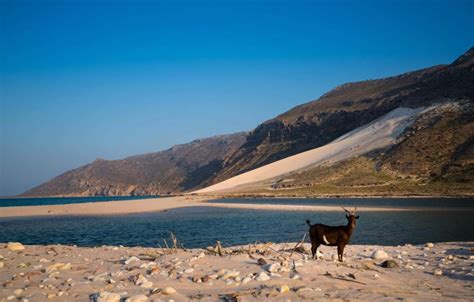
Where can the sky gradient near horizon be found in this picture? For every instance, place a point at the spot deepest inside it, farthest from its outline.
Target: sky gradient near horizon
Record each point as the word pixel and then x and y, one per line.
pixel 81 80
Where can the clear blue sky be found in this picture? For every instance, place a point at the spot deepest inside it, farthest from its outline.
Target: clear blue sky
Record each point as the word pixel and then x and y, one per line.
pixel 109 79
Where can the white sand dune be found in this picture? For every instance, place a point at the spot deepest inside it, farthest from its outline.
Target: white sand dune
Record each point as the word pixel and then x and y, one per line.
pixel 380 133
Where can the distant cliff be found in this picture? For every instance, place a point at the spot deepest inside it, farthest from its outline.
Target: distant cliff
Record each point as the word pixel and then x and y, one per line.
pixel 176 169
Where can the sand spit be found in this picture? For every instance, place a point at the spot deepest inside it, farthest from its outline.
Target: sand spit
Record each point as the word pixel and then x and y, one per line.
pixel 104 208
pixel 380 133
pixel 264 272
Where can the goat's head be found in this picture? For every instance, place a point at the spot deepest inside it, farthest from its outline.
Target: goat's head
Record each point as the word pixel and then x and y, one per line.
pixel 351 215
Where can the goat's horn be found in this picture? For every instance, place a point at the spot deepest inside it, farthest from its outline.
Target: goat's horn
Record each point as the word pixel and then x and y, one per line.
pixel 355 209
pixel 346 210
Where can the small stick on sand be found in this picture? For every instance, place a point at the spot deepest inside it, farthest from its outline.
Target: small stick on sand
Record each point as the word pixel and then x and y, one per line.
pixel 299 243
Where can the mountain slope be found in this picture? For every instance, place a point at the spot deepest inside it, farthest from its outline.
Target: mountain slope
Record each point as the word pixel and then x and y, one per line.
pixel 176 169
pixel 347 107
pixel 433 156
pixel 378 134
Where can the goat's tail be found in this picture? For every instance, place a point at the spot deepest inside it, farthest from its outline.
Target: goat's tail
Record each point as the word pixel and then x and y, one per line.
pixel 308 222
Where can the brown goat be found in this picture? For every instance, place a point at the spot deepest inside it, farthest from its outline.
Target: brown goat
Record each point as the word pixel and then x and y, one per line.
pixel 332 235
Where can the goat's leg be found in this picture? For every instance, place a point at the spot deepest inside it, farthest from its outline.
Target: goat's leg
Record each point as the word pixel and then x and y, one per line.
pixel 314 249
pixel 340 252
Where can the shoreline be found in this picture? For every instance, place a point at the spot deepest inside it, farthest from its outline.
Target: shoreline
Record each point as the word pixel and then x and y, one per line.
pixel 149 205
pixel 254 272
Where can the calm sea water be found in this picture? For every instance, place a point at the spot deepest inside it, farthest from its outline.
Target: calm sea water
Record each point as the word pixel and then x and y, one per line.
pixel 201 227
pixel 41 201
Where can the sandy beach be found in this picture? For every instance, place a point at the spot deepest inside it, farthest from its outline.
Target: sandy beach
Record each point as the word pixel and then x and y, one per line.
pixel 104 208
pixel 270 272
pixel 167 203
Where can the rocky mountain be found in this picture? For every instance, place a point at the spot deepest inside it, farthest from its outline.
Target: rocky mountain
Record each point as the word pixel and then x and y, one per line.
pixel 438 147
pixel 433 156
pixel 176 169
pixel 347 107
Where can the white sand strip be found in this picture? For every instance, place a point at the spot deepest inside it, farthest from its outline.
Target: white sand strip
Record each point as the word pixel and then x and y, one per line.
pixel 104 208
pixel 380 133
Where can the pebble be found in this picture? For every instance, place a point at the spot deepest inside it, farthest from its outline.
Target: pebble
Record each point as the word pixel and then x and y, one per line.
pixel 263 277
pixel 188 270
pixel 131 259
pixel 261 261
pixel 2 264
pixel 272 268
pixel 137 298
pixel 213 276
pixel 107 297
pixel 429 245
pixel 438 272
pixel 230 275
pixel 379 254
pixel 389 264
pixel 58 266
pixel 15 246
pixel 283 289
pixel 147 284
pixel 18 292
pixel 10 298
pixel 168 291
pixel 295 277
pixel 304 289
pixel 51 296
pixel 246 280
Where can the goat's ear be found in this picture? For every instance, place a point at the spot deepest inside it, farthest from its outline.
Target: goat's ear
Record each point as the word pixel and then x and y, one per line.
pixel 357 217
pixel 347 216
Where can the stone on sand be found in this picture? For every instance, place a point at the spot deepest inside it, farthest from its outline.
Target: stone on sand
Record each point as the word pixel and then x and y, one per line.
pixel 261 261
pixel 379 254
pixel 137 298
pixel 15 246
pixel 168 291
pixel 107 297
pixel 389 264
pixel 283 289
pixel 58 266
pixel 230 275
pixel 263 277
pixel 272 268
